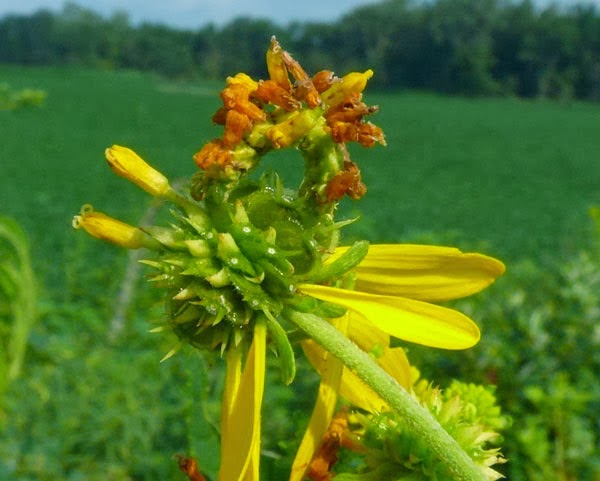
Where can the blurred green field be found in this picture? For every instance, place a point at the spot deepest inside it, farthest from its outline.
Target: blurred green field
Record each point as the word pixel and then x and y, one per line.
pixel 510 176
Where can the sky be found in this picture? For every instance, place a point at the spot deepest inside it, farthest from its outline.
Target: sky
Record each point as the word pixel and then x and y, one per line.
pixel 197 13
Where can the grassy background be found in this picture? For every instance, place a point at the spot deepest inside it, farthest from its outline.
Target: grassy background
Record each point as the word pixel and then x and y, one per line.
pixel 510 177
pixel 517 176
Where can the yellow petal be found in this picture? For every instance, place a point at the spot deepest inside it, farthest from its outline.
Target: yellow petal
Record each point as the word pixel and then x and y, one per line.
pixel 232 385
pixel 364 334
pixel 357 393
pixel 406 319
pixel 240 439
pixel 330 369
pixel 427 273
pixel 376 343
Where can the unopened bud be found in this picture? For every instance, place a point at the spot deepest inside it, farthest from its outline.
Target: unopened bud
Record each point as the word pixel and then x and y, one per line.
pixel 126 163
pixel 112 230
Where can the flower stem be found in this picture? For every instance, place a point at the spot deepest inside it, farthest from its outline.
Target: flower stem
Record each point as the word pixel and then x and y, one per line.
pixel 448 451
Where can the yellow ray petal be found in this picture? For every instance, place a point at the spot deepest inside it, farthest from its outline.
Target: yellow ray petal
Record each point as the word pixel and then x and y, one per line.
pixel 330 369
pixel 376 343
pixel 242 434
pixel 364 334
pixel 230 391
pixel 357 393
pixel 407 319
pixel 427 273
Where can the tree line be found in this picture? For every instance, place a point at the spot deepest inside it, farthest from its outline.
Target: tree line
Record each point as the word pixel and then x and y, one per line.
pixel 467 47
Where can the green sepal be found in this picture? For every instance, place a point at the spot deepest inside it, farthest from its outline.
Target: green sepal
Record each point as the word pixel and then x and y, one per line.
pixel 287 360
pixel 200 267
pixel 307 304
pixel 171 237
pixel 231 255
pixel 346 262
pixel 254 246
pixel 220 302
pixel 253 294
pixel 198 247
pixel 275 281
pixel 197 217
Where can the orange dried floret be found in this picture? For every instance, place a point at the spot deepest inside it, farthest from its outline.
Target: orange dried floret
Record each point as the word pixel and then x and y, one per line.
pixel 213 154
pixel 236 125
pixel 352 109
pixel 269 91
pixel 370 134
pixel 346 182
pixel 190 467
pixel 326 455
pixel 323 80
pixel 237 97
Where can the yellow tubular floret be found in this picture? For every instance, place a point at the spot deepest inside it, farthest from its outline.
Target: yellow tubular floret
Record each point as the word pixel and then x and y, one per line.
pixel 351 84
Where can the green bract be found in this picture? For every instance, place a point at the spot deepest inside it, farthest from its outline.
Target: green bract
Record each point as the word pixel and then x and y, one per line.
pixel 239 254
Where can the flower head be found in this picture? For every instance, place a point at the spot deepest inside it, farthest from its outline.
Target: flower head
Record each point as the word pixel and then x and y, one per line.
pixel 245 256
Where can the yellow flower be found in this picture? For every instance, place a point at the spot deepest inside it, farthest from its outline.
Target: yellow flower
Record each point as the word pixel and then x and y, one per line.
pixel 112 230
pixel 126 163
pixel 240 416
pixel 393 285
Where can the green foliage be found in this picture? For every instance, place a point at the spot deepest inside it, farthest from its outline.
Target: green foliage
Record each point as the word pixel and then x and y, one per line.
pixel 472 47
pixel 514 175
pixel 94 410
pixel 19 99
pixel 541 347
pixel 18 298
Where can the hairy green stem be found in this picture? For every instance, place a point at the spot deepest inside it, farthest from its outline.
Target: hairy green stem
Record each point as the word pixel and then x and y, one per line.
pixel 459 464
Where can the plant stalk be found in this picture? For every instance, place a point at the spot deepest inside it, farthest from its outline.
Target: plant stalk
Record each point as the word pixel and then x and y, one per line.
pixel 448 451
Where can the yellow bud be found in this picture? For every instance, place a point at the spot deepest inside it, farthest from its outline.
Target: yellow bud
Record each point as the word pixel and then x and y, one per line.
pixel 352 83
pixel 126 163
pixel 112 230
